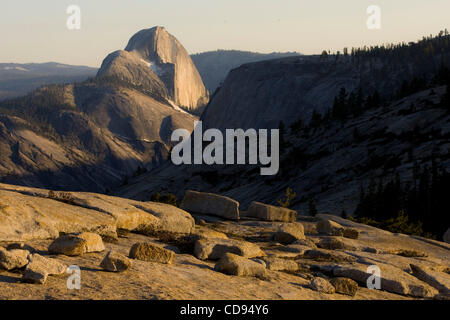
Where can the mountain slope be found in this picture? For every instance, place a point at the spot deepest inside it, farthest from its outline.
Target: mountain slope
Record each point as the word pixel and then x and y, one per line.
pixel 398 127
pixel 328 163
pixel 91 135
pixel 215 65
pixel 20 79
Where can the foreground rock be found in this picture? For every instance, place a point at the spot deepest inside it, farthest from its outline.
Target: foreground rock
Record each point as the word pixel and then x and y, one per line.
pixel 268 212
pixel 150 252
pixel 330 228
pixel 115 262
pixel 436 279
pixel 278 264
pixel 392 280
pixel 321 285
pixel 209 203
pixel 239 266
pixel 39 268
pixel 94 242
pixel 86 212
pixel 77 244
pixel 345 286
pixel 216 248
pixel 351 233
pixel 13 259
pixel 289 232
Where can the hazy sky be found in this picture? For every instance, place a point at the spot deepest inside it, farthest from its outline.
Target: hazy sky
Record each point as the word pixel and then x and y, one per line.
pixel 35 31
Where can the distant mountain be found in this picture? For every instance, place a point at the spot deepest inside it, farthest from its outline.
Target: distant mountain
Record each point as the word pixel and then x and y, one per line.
pixel 19 79
pixel 93 134
pixel 261 94
pixel 215 65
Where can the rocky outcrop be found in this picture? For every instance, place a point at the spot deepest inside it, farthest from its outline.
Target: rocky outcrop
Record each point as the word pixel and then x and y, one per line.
pixel 168 59
pixel 29 213
pixel 198 263
pixel 436 279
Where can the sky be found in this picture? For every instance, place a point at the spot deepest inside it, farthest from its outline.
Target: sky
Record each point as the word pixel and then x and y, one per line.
pixel 36 31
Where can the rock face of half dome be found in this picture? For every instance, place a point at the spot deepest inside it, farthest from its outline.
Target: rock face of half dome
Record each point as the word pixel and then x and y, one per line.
pixel 152 55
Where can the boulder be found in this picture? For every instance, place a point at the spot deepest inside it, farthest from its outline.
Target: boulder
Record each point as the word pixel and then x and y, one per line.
pixel 278 264
pixel 149 252
pixel 268 212
pixel 334 243
pixel 69 245
pixel 115 262
pixel 321 285
pixel 392 279
pixel 215 248
pixel 239 266
pixel 77 244
pixel 209 203
pixel 13 259
pixel 94 242
pixel 436 279
pixel 288 233
pixel 39 268
pixel 345 286
pixel 34 275
pixel 330 228
pixel 351 233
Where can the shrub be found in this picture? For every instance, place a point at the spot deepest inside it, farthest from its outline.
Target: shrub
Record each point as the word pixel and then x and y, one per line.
pixel 288 198
pixel 168 198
